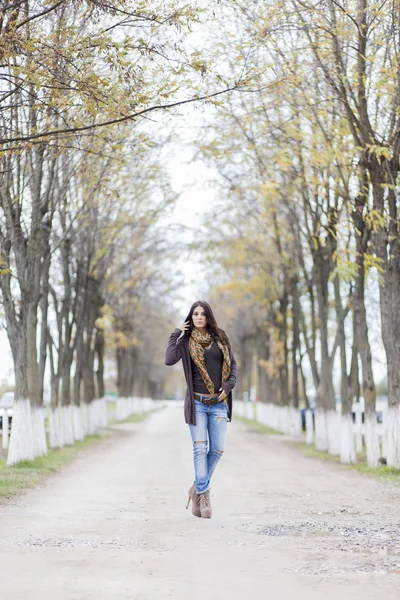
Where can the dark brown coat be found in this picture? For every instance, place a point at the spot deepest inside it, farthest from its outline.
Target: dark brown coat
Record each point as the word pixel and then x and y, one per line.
pixel 179 349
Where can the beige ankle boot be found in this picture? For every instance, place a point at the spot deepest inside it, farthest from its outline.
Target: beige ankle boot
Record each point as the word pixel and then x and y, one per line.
pixel 194 497
pixel 205 505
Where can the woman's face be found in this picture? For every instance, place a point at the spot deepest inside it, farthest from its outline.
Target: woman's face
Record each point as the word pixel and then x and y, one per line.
pixel 199 317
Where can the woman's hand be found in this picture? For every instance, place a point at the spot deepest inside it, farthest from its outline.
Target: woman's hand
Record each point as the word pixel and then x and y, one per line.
pixel 222 395
pixel 184 327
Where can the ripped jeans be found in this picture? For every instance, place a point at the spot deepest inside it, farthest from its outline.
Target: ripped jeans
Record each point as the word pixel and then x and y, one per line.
pixel 208 437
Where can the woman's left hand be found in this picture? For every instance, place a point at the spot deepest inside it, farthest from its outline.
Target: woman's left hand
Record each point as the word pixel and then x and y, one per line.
pixel 222 395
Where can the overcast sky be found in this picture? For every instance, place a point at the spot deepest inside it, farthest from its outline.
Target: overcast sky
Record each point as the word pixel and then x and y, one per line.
pixel 191 179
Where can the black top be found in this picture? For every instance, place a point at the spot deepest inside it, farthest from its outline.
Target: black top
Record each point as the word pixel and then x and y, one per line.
pixel 214 359
pixel 178 349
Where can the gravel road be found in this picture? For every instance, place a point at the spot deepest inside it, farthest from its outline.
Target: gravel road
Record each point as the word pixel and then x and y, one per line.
pixel 113 525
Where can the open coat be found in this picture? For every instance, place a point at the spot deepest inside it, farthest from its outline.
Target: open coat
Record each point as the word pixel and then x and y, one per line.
pixel 179 349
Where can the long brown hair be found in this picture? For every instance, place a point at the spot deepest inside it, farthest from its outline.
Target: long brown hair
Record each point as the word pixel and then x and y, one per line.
pixel 218 334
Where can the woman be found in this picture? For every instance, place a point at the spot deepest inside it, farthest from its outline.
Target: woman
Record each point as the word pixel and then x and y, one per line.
pixel 210 371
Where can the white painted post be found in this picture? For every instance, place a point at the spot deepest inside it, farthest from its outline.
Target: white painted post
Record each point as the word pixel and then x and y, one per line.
pixel 309 427
pixel 5 428
pixel 358 426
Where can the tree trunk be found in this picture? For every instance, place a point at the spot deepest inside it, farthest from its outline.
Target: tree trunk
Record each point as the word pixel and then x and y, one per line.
pixel 322 267
pixel 346 448
pixel 125 370
pixel 263 358
pixel 55 436
pixel 245 360
pixel 44 305
pixel 284 359
pixel 361 326
pixel 325 391
pixel 386 241
pixel 295 344
pixel 99 348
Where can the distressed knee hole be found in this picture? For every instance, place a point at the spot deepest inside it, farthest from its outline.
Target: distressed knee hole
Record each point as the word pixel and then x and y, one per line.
pixel 200 442
pixel 221 418
pixel 220 451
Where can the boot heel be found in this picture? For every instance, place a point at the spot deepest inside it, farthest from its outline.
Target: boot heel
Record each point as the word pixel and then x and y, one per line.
pixel 188 502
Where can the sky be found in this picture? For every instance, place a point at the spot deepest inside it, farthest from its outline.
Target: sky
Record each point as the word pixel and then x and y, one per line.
pixel 191 180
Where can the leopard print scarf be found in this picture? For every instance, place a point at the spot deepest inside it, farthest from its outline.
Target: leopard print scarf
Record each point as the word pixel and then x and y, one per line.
pixel 198 342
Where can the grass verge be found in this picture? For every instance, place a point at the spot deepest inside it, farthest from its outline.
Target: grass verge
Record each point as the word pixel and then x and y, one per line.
pixel 380 472
pixel 257 427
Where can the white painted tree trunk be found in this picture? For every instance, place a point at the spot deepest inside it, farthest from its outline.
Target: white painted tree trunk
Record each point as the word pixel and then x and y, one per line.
pixel 97 414
pixel 309 427
pixel 66 421
pixel 55 437
pixel 321 430
pixel 333 426
pixel 85 419
pixel 371 439
pixel 347 445
pixel 77 422
pixel 21 440
pixel 92 413
pixel 38 430
pixel 61 429
pixel 393 432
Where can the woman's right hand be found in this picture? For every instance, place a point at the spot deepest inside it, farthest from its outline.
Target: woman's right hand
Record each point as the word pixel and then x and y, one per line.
pixel 184 327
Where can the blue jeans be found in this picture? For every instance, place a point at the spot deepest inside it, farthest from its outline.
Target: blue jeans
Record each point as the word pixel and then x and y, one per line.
pixel 208 437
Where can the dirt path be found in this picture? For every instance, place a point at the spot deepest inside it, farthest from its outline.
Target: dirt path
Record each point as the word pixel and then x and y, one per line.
pixel 113 525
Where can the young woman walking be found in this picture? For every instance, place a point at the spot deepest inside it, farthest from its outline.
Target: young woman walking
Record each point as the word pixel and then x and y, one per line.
pixel 210 371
